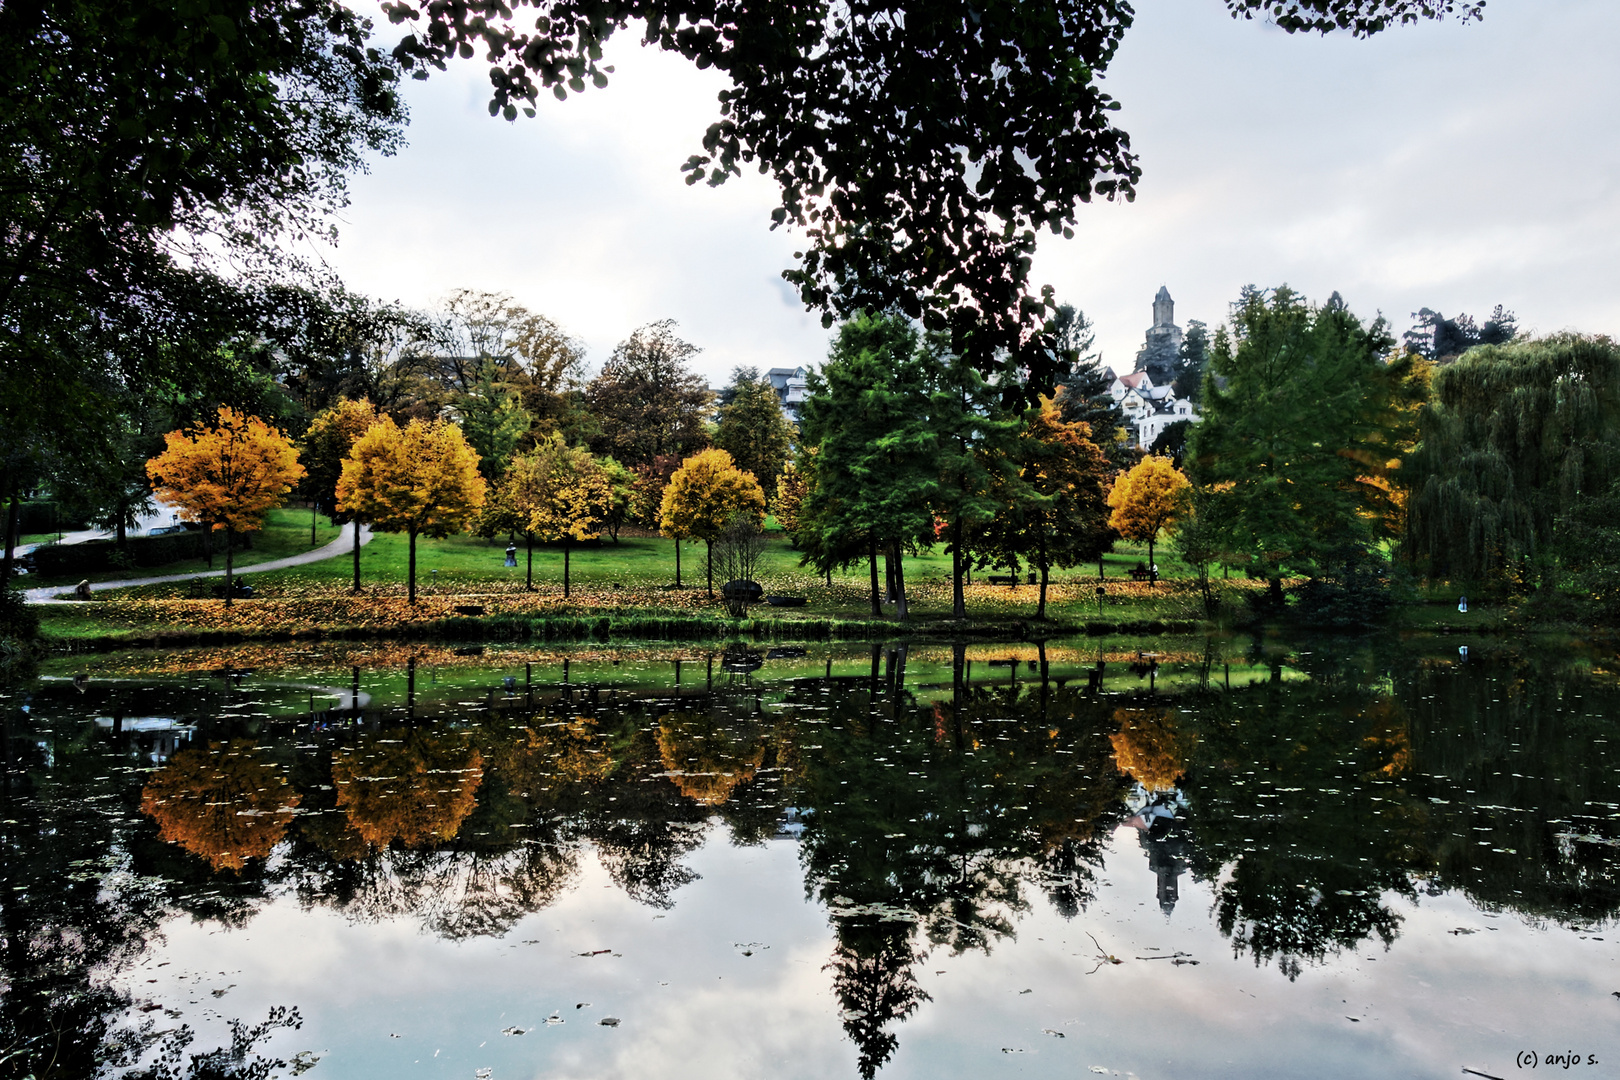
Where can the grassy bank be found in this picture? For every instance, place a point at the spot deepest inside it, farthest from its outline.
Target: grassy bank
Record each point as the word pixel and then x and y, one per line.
pixel 626 592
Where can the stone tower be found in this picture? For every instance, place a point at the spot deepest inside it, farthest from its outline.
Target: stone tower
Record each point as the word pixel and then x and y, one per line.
pixel 1164 309
pixel 1160 354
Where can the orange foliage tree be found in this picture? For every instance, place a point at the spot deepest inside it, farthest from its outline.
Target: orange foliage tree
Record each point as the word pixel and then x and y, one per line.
pixel 409 785
pixel 703 495
pixel 225 803
pixel 420 479
pixel 1146 500
pixel 327 443
pixel 227 476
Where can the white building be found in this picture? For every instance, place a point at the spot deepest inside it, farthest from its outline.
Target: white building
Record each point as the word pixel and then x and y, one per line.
pixel 1148 409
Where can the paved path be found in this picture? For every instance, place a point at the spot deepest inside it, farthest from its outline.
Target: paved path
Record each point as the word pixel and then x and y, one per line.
pixel 52 594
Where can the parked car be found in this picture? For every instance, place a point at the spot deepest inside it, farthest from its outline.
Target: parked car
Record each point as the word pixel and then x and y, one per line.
pixel 166 530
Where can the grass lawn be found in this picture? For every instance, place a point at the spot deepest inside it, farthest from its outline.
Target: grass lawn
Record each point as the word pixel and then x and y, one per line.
pixel 634 575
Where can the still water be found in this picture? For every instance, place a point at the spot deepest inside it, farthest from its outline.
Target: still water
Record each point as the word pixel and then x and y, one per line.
pixel 1224 859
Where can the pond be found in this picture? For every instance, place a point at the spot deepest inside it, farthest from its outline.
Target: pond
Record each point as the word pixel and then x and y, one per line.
pixel 1225 858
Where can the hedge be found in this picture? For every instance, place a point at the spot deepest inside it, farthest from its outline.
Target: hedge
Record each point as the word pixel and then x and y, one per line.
pixel 35 516
pixel 95 556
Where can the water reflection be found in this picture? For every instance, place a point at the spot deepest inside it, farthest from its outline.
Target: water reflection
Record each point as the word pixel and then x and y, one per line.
pixel 932 809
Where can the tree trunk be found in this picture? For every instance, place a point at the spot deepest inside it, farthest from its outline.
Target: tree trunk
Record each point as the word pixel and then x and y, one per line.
pixel 1040 609
pixel 710 545
pixel 890 593
pixel 677 562
pixel 528 575
pixel 1275 594
pixel 567 548
pixel 410 572
pixel 1099 568
pixel 958 596
pixel 1152 577
pixel 312 512
pixel 13 516
pixel 208 543
pixel 120 534
pixel 901 610
pixel 356 524
pixel 871 553
pixel 230 560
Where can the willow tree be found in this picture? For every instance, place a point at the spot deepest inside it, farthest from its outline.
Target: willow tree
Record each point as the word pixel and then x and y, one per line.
pixel 1298 436
pixel 1517 435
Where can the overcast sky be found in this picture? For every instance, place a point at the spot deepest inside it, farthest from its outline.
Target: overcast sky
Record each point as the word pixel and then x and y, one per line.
pixel 1449 166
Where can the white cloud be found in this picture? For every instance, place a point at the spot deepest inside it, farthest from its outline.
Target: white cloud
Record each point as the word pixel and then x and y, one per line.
pixel 1447 166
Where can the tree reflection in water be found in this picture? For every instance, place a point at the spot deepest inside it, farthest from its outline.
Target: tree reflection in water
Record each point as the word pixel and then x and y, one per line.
pixel 225 802
pixel 932 817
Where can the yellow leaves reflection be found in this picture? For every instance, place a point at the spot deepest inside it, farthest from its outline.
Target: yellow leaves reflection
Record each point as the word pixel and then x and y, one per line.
pixel 704 759
pixel 1151 747
pixel 409 785
pixel 225 803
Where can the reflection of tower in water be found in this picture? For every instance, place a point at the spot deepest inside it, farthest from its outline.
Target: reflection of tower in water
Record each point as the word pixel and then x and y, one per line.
pixel 1164 838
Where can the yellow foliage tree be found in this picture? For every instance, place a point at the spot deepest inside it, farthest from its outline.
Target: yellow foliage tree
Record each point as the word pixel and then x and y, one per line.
pixel 1146 500
pixel 327 443
pixel 557 493
pixel 227 476
pixel 225 803
pixel 703 495
pixel 409 785
pixel 419 480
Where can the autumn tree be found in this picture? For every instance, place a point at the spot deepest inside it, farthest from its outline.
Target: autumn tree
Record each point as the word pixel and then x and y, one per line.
pixel 647 399
pixel 420 479
pixel 753 428
pixel 1057 515
pixel 566 494
pixel 1146 500
pixel 327 443
pixel 227 476
pixel 703 497
pixel 623 499
pixel 792 485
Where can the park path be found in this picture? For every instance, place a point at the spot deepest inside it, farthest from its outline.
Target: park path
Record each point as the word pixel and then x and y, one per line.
pixel 52 594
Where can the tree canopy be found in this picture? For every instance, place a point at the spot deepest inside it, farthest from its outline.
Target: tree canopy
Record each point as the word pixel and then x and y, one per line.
pixel 1516 436
pixel 647 400
pixel 227 476
pixel 919 147
pixel 703 497
pixel 420 479
pixel 753 428
pixel 1295 443
pixel 1146 500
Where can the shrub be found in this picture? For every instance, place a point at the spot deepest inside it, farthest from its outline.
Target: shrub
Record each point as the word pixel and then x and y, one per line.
pixel 67 560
